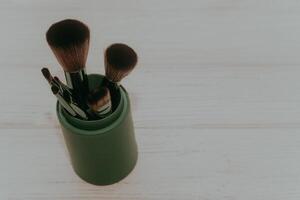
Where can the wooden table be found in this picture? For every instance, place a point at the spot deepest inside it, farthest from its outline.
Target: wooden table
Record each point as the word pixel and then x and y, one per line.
pixel 215 99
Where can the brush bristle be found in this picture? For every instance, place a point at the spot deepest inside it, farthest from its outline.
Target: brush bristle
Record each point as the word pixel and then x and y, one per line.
pixel 120 59
pixel 56 79
pixel 66 33
pixel 46 73
pixel 55 89
pixel 69 41
pixel 99 97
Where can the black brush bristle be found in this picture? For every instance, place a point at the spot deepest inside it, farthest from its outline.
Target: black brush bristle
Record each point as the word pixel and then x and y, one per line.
pixel 57 79
pixel 120 59
pixel 46 73
pixel 66 33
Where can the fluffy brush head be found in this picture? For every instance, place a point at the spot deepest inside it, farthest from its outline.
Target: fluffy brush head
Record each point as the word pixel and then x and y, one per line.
pixel 120 60
pixel 99 98
pixel 69 41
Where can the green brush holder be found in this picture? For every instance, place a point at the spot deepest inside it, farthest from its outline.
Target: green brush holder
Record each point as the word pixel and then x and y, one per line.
pixel 102 151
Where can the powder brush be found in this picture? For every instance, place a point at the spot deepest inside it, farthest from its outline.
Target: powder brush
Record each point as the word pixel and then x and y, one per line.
pixel 69 41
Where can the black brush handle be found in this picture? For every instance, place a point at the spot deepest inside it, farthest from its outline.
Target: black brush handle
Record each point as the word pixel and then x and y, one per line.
pixel 114 90
pixel 78 82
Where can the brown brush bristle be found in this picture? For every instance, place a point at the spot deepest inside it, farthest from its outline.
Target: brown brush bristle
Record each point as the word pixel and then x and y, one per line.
pixel 69 41
pixel 120 59
pixel 98 98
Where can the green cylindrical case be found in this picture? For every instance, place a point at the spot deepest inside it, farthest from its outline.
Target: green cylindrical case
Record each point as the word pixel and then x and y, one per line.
pixel 102 151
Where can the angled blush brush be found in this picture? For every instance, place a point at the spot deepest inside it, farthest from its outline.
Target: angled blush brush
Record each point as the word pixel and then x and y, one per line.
pixel 69 41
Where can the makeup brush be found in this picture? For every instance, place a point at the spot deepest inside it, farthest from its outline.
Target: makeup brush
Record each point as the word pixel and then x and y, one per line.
pixel 65 98
pixel 61 100
pixel 63 94
pixel 51 80
pixel 120 60
pixel 100 102
pixel 68 96
pixel 69 41
pixel 46 73
pixel 54 81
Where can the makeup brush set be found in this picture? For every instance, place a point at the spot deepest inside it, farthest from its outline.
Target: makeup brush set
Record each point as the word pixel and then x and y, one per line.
pixel 93 110
pixel 69 41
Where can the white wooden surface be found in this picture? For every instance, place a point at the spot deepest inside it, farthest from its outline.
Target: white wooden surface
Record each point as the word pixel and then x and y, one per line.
pixel 215 99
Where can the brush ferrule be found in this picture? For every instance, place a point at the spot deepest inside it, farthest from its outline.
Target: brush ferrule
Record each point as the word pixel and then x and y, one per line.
pixel 114 89
pixel 73 78
pixel 110 80
pixel 79 111
pixel 105 108
pixel 63 102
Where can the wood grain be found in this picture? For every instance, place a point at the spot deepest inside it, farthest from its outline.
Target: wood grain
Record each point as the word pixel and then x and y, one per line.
pixel 215 99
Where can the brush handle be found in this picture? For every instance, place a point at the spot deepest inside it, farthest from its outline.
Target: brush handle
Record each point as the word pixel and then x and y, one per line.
pixel 79 111
pixel 61 85
pixel 78 82
pixel 69 99
pixel 65 104
pixel 114 90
